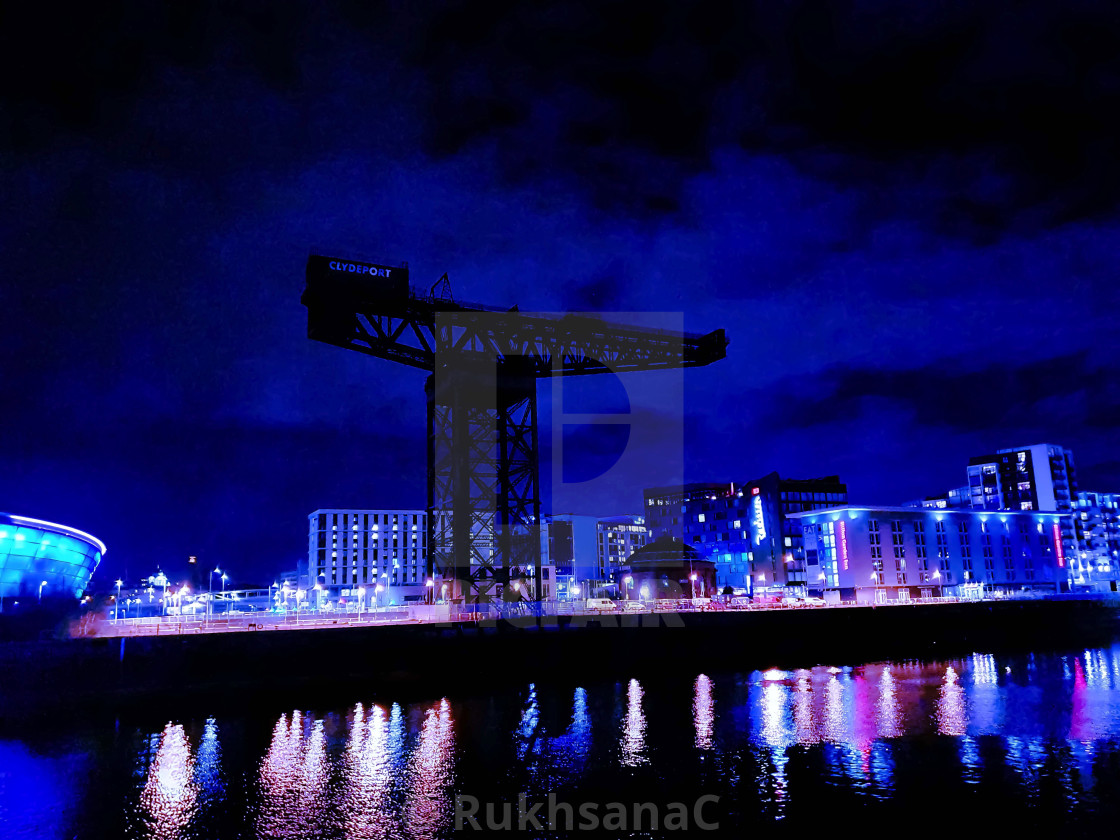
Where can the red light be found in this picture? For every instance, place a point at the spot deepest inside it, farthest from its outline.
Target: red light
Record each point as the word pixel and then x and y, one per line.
pixel 754 491
pixel 1058 546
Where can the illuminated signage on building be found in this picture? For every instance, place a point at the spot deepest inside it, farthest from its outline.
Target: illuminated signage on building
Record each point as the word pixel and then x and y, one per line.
pixel 757 519
pixel 843 543
pixel 1058 546
pixel 359 268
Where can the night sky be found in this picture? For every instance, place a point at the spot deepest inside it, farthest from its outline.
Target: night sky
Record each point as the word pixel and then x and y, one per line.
pixel 905 218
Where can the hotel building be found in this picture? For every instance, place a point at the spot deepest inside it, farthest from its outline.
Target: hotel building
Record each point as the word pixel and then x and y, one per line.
pixel 351 548
pixel 665 506
pixel 745 529
pixel 879 555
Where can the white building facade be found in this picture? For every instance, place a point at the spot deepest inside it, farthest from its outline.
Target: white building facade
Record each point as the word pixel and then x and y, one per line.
pixel 347 549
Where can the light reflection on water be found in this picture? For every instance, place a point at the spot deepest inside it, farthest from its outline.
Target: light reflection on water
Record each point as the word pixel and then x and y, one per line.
pixel 703 713
pixel 634 727
pixel 1042 731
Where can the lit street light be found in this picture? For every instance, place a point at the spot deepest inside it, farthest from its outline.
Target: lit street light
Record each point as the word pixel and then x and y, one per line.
pixel 431 590
pixel 692 585
pixel 210 593
pixel 117 603
pixel 41 585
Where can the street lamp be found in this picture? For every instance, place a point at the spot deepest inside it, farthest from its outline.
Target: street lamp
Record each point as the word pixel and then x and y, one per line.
pixel 161 580
pixel 41 585
pixel 210 590
pixel 431 584
pixel 361 598
pixel 692 584
pixel 629 581
pixel 386 576
pixel 117 603
pixel 319 598
pixel 185 590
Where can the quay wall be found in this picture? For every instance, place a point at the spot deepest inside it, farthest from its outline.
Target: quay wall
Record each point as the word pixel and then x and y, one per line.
pixel 349 663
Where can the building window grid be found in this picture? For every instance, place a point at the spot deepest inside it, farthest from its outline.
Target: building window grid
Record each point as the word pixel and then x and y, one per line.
pixel 898 547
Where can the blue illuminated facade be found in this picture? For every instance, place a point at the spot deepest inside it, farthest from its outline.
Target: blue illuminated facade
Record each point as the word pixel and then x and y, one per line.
pixel 744 529
pixel 884 554
pixel 43 558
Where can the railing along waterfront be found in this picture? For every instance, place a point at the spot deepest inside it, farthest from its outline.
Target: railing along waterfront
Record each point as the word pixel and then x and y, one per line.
pixel 444 613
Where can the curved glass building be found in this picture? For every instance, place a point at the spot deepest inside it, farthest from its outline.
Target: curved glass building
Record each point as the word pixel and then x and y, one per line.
pixel 33 551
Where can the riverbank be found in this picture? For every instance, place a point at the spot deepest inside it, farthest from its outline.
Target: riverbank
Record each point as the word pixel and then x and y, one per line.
pixel 304 667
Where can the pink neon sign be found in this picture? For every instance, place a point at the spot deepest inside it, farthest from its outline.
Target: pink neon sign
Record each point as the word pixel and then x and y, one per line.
pixel 1058 547
pixel 843 544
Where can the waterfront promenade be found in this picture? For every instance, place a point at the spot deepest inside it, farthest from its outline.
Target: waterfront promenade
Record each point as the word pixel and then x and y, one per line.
pixel 234 662
pixel 441 614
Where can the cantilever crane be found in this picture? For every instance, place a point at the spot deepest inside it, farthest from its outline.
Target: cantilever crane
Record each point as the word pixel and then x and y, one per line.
pixel 483 451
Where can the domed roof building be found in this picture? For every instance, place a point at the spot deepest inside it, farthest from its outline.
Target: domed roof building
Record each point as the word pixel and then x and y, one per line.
pixel 666 569
pixel 45 559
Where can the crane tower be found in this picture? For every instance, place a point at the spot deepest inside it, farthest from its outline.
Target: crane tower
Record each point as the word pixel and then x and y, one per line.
pixel 483 363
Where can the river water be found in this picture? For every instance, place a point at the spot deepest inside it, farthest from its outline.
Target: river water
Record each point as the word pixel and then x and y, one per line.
pixel 963 746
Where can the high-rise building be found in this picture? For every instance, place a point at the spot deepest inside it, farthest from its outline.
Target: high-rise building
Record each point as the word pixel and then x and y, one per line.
pixel 1096 521
pixel 665 506
pixel 352 548
pixel 619 537
pixel 583 551
pixel 899 554
pixel 959 498
pixel 1038 477
pixel 744 529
